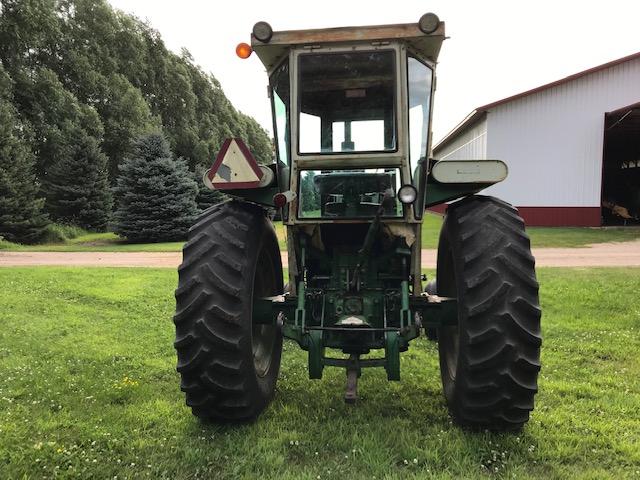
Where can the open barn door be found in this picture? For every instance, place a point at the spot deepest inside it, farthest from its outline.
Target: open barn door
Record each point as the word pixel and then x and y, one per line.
pixel 621 167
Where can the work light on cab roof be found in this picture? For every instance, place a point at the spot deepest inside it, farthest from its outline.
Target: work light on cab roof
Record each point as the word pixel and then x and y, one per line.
pixel 262 31
pixel 351 178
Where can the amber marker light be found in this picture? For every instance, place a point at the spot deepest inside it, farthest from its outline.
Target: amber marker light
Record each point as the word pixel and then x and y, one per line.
pixel 243 50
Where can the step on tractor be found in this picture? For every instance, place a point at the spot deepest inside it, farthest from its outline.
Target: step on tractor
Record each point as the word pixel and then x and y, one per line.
pixel 351 181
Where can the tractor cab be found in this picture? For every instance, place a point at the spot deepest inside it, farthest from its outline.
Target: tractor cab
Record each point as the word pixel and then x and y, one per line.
pixel 351 111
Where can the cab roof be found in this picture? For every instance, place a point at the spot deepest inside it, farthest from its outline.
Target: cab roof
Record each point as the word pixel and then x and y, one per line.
pixel 272 52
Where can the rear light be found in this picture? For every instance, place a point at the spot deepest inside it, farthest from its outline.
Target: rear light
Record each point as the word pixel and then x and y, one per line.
pixel 282 198
pixel 243 50
pixel 279 200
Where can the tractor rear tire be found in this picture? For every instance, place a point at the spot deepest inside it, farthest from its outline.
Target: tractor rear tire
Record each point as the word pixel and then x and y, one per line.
pixel 489 362
pixel 228 364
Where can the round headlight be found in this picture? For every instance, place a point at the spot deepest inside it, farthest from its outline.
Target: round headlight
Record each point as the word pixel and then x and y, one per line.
pixel 407 194
pixel 262 31
pixel 428 23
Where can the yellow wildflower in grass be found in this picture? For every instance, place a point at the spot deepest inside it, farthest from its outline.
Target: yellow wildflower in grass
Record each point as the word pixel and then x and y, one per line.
pixel 125 383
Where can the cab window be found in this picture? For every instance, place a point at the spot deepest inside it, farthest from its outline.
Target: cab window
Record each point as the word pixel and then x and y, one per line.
pixel 349 193
pixel 347 102
pixel 280 98
pixel 419 78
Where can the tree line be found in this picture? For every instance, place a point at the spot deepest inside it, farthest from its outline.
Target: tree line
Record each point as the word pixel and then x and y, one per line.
pixel 84 89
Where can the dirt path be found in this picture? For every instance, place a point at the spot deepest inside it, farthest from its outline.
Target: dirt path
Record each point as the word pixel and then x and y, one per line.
pixel 625 254
pixel 91 259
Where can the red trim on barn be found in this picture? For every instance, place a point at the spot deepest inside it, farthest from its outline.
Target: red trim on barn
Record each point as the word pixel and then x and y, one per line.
pixel 552 216
pixel 441 209
pixel 561 216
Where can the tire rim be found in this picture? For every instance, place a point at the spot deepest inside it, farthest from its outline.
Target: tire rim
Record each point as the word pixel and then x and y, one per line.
pixel 263 337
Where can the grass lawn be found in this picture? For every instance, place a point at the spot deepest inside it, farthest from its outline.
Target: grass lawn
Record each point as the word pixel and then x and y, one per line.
pixel 89 390
pixel 540 237
pixel 95 242
pixel 110 242
pixel 580 236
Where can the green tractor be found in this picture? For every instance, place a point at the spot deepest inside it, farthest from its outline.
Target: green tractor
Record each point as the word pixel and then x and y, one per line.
pixel 351 181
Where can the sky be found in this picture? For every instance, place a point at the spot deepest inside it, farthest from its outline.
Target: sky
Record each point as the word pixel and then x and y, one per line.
pixel 496 48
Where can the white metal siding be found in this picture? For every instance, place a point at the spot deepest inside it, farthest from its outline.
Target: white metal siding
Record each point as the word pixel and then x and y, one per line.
pixel 470 145
pixel 552 141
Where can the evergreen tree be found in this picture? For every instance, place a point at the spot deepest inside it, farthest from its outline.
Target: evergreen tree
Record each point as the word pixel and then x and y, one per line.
pixel 21 217
pixel 206 197
pixel 77 187
pixel 57 117
pixel 79 68
pixel 310 197
pixel 156 195
pixel 126 116
pixel 258 141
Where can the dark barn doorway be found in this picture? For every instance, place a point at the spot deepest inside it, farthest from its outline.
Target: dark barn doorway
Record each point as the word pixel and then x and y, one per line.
pixel 621 167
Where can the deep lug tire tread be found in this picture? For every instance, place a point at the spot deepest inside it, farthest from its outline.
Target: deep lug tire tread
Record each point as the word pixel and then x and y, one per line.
pixel 213 310
pixel 499 315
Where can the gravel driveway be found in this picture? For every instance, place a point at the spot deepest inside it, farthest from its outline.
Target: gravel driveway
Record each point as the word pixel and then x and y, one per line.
pixel 625 254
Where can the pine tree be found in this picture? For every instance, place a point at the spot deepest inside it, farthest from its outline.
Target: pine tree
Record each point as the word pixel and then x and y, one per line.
pixel 126 116
pixel 77 187
pixel 21 217
pixel 206 197
pixel 309 195
pixel 79 67
pixel 57 118
pixel 155 194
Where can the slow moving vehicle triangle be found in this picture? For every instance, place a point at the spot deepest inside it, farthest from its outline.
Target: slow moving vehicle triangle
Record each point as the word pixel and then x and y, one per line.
pixel 234 167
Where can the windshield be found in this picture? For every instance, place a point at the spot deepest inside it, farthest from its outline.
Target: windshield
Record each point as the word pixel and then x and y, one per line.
pixel 349 193
pixel 347 102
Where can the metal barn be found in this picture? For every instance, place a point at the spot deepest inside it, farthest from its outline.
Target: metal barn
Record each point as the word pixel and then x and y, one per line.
pixel 572 147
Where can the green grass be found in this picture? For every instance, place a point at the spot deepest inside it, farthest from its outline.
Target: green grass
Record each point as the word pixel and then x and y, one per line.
pixel 580 236
pixel 541 237
pixel 109 242
pixel 95 242
pixel 89 390
pixel 544 237
pixel 431 224
pixel 58 233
